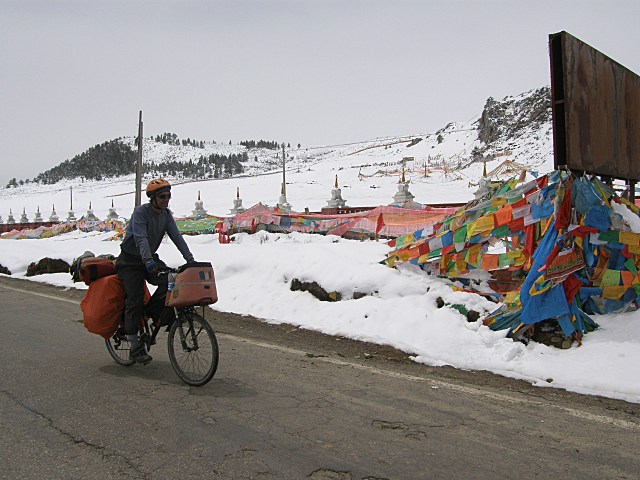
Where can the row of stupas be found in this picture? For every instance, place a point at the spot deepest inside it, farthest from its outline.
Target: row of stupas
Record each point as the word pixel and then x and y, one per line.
pixel 54 218
pixel 403 199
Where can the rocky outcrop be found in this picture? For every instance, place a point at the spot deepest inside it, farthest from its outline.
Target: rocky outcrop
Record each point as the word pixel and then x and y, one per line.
pixel 316 290
pixel 507 118
pixel 47 265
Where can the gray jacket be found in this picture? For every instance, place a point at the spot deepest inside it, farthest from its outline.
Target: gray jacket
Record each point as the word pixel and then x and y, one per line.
pixel 146 230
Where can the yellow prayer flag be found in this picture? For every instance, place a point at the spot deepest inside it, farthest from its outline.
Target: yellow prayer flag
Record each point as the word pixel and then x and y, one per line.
pixel 520 261
pixel 635 249
pixel 614 292
pixel 512 297
pixel 461 266
pixel 629 238
pixel 473 253
pixel 485 223
pixel 579 242
pixel 470 229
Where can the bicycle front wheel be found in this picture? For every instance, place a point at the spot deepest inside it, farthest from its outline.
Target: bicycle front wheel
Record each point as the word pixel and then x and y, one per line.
pixel 193 349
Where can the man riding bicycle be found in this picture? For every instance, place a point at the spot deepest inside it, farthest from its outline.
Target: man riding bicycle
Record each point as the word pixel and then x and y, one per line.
pixel 138 259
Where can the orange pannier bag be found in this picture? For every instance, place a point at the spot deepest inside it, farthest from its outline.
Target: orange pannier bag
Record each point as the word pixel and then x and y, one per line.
pixel 194 284
pixel 93 268
pixel 103 305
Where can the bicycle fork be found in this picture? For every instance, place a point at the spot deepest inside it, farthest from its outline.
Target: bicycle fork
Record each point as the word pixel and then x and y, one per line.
pixel 182 320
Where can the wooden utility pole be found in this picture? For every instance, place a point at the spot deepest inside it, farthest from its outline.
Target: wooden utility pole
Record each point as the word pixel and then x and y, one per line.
pixel 284 181
pixel 138 200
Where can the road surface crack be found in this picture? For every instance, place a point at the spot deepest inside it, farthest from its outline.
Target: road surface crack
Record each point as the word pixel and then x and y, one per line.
pixel 106 453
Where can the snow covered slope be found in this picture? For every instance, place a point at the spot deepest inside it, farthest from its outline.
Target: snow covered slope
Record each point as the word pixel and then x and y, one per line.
pixel 442 167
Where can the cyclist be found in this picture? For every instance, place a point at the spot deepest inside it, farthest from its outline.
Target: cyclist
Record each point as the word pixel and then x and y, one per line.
pixel 138 259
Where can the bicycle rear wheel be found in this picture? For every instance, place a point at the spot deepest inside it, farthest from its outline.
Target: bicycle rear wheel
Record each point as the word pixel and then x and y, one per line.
pixel 193 349
pixel 119 347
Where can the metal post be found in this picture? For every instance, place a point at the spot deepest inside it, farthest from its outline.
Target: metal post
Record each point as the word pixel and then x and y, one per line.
pixel 138 199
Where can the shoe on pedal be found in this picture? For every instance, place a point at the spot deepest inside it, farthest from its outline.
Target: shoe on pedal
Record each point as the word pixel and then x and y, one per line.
pixel 140 355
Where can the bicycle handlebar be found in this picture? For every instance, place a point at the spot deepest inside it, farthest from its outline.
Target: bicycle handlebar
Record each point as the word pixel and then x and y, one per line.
pixel 167 270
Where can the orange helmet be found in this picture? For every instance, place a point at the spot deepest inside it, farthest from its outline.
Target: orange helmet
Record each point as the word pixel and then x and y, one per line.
pixel 156 186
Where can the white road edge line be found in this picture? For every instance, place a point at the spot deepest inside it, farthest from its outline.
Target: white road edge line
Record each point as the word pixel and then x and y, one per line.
pixel 53 297
pixel 604 419
pixel 435 383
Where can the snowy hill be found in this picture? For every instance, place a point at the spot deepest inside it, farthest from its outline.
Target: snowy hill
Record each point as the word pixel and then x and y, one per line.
pixel 442 167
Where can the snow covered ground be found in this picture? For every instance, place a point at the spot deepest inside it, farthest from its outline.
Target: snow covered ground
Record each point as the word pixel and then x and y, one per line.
pixel 254 273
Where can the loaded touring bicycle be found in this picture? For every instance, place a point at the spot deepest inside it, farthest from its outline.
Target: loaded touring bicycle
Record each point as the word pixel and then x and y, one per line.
pixel 191 341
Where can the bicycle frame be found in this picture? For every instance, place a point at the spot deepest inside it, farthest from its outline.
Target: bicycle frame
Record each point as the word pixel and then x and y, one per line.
pixel 150 332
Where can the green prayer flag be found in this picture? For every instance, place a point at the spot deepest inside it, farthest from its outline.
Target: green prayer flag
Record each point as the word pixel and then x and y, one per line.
pixel 502 231
pixel 460 235
pixel 631 266
pixel 504 260
pixel 610 278
pixel 609 236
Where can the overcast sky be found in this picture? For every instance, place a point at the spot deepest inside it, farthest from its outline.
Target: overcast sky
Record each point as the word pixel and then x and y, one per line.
pixel 74 73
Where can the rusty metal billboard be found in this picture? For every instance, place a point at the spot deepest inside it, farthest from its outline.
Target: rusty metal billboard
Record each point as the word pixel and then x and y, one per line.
pixel 595 104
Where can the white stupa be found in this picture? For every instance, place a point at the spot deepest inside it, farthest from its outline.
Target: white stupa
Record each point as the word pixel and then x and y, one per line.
pixel 283 204
pixel 403 197
pixel 23 217
pixel 38 217
pixel 237 203
pixel 10 218
pixel 112 215
pixel 54 216
pixel 336 197
pixel 199 211
pixel 483 184
pixel 89 216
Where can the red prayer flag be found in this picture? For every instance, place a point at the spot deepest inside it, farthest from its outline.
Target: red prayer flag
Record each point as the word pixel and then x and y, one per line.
pixel 379 224
pixel 564 212
pixel 571 285
pixel 542 182
pixel 529 240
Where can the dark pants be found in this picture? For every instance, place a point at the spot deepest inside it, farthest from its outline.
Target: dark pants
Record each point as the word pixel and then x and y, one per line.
pixel 132 272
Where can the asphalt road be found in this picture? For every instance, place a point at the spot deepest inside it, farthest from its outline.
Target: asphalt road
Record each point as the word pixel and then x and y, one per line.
pixel 285 404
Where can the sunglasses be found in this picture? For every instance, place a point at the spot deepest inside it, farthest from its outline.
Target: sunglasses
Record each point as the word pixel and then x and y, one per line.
pixel 164 196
